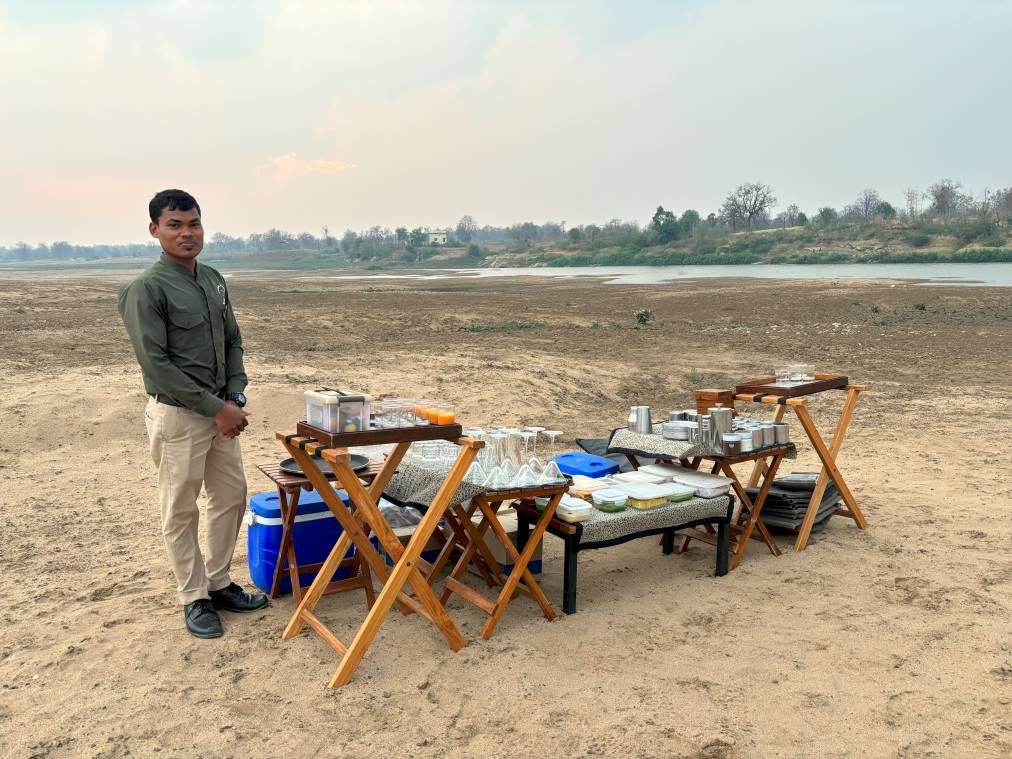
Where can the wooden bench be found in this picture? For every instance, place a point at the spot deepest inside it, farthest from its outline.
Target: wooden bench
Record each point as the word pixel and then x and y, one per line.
pixel 610 529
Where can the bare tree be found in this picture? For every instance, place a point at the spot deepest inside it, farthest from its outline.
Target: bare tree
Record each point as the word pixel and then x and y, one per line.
pixel 466 229
pixel 748 203
pixel 866 203
pixel 1000 205
pixel 912 196
pixel 946 199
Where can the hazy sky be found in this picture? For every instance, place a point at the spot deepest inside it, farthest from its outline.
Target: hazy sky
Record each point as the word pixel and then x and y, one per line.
pixel 299 114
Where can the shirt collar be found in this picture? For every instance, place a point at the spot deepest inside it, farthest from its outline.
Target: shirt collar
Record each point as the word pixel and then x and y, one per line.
pixel 164 259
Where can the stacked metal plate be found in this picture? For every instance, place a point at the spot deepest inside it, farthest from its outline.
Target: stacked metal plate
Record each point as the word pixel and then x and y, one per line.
pixel 787 502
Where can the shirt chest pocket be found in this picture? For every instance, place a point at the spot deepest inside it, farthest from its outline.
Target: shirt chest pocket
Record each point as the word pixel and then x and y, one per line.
pixel 187 331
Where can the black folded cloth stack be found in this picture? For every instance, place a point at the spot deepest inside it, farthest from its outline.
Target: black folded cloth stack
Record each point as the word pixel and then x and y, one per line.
pixel 787 502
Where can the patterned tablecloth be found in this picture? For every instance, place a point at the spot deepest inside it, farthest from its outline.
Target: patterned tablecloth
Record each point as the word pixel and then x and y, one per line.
pixel 605 526
pixel 656 446
pixel 417 482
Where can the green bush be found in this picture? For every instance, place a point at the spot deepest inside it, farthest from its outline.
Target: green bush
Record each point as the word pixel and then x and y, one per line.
pixel 972 231
pixel 644 315
pixel 916 238
pixel 983 255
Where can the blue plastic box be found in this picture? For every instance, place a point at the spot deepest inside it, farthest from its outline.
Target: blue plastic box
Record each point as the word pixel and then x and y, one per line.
pixel 314 534
pixel 587 464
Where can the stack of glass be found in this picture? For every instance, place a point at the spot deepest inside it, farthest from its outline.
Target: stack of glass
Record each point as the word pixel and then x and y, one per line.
pixel 394 411
pixel 510 459
pixel 794 374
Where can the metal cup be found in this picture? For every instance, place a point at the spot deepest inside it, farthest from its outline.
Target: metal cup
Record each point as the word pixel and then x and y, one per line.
pixel 721 418
pixel 782 433
pixel 769 435
pixel 644 422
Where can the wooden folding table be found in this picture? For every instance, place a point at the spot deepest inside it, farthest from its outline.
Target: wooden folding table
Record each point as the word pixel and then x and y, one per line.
pixel 471 538
pixel 827 454
pixel 290 487
pixel 725 465
pixel 363 515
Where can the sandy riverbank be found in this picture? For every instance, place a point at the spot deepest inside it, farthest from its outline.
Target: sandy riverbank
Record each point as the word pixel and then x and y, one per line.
pixel 888 642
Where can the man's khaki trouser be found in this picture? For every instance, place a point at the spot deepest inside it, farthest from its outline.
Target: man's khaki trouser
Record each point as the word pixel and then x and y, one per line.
pixel 189 452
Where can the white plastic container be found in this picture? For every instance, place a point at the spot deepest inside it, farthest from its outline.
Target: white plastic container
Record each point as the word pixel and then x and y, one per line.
pixel 574 510
pixel 643 491
pixel 335 411
pixel 677 492
pixel 706 485
pixel 609 500
pixel 637 476
pixel 664 471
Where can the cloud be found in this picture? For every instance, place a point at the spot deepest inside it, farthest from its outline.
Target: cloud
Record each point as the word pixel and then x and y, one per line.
pixel 290 165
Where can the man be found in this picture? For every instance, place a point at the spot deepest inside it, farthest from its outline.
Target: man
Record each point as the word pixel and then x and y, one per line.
pixel 187 343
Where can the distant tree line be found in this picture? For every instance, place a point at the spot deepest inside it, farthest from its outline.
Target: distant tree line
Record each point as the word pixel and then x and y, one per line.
pixel 748 207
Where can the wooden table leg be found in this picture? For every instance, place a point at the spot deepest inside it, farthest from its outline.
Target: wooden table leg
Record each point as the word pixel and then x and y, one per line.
pixel 448 547
pixel 286 551
pixel 829 468
pixel 354 532
pixel 475 539
pixel 404 570
pixel 754 510
pixel 520 562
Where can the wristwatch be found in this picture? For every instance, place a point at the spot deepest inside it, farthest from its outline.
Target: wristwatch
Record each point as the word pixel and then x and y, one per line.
pixel 237 398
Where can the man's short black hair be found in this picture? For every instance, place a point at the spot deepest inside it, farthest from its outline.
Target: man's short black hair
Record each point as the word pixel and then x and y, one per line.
pixel 171 200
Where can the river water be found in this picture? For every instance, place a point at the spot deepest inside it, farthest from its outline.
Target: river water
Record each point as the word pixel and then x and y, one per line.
pixel 990 275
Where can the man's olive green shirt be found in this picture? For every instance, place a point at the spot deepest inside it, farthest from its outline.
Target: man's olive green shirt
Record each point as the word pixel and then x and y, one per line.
pixel 184 334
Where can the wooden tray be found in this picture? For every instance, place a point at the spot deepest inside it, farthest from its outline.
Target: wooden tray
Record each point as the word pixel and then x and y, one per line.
pixel 766 386
pixel 380 437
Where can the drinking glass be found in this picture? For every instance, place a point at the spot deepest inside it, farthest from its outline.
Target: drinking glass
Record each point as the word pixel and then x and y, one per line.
pixel 445 413
pixel 496 449
pixel 514 450
pixel 536 431
pixel 552 435
pixel 527 436
pixel 421 409
pixel 783 375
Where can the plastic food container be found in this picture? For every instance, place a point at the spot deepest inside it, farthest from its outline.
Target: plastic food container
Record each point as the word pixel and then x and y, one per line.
pixel 664 471
pixel 609 500
pixel 337 411
pixel 676 492
pixel 637 476
pixel 574 510
pixel 705 485
pixel 643 495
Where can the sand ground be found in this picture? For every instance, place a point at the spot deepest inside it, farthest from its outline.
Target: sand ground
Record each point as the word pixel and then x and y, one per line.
pixel 888 642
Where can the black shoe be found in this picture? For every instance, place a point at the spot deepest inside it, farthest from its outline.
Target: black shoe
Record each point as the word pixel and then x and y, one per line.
pixel 202 620
pixel 234 598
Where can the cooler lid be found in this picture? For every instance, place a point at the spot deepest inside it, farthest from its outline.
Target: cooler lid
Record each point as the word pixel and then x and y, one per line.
pixel 266 504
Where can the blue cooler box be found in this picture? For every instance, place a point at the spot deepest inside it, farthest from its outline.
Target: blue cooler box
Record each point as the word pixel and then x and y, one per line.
pixel 587 464
pixel 314 534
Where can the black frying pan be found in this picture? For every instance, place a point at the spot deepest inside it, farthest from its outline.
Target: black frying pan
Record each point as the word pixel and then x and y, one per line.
pixel 291 466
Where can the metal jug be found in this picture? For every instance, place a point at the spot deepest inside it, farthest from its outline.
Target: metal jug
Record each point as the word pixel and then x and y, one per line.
pixel 643 423
pixel 721 418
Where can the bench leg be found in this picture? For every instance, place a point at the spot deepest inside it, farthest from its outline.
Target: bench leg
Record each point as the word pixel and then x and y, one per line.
pixel 569 577
pixel 668 542
pixel 723 547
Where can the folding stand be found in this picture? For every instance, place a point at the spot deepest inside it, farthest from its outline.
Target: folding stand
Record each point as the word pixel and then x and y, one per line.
pixel 827 455
pixel 363 515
